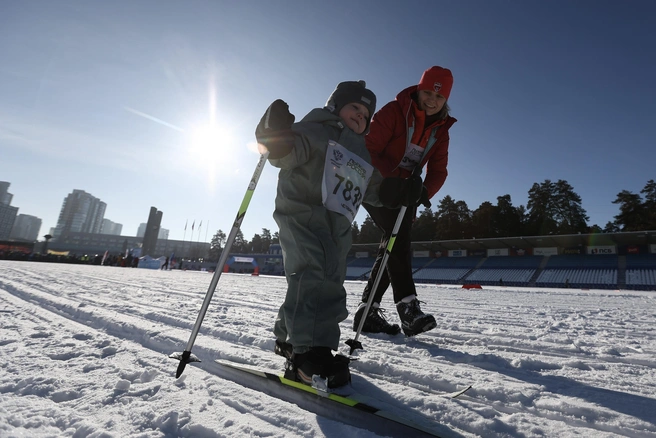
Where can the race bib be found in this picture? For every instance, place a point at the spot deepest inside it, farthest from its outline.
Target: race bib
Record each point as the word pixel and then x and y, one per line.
pixel 412 157
pixel 345 179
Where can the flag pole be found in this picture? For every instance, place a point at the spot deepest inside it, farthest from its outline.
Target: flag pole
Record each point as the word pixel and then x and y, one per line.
pixel 184 251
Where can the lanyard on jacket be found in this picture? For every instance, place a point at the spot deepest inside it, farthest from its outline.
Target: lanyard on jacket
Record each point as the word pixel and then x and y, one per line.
pixel 431 140
pixel 410 131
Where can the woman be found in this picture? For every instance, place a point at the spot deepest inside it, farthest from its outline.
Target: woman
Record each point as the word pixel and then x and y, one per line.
pixel 411 131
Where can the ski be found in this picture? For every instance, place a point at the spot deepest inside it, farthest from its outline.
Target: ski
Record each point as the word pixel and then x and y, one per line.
pixel 343 406
pixel 457 394
pixel 454 394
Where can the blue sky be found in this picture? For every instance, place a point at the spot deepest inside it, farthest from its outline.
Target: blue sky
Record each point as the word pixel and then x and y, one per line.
pixel 114 98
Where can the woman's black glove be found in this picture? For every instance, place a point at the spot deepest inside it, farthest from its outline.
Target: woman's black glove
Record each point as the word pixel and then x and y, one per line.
pixel 274 129
pixel 413 191
pixel 395 192
pixel 424 198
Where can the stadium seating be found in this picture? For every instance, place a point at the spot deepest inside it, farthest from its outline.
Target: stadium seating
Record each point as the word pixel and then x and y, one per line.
pixel 440 275
pixel 505 277
pixel 641 271
pixel 574 271
pixel 585 278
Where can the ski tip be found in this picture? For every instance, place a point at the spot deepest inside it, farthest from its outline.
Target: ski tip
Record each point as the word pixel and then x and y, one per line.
pixel 459 393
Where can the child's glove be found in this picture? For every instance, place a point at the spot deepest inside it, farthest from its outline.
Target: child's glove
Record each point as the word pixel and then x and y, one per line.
pixel 274 129
pixel 276 118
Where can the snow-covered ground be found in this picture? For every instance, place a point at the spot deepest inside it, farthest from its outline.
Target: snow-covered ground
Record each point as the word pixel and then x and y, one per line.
pixel 83 353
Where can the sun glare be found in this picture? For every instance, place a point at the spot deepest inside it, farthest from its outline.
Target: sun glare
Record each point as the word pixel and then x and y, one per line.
pixel 210 146
pixel 209 141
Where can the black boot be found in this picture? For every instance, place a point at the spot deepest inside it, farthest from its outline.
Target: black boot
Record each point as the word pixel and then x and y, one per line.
pixel 283 349
pixel 375 321
pixel 319 361
pixel 413 320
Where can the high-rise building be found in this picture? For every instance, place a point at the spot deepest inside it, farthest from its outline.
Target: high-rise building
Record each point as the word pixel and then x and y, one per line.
pixel 5 196
pixel 7 212
pixel 112 228
pixel 81 213
pixel 7 218
pixel 26 227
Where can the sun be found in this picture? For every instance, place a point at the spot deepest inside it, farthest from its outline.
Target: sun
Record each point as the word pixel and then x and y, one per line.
pixel 210 141
pixel 210 146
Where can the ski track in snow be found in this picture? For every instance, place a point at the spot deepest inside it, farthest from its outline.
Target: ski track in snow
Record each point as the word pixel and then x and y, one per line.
pixel 83 352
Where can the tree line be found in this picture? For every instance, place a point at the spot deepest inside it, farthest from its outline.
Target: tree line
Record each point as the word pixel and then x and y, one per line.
pixel 553 208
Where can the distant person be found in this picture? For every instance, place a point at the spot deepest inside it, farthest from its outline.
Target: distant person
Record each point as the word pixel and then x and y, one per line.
pixel 325 173
pixel 165 266
pixel 409 132
pixel 501 282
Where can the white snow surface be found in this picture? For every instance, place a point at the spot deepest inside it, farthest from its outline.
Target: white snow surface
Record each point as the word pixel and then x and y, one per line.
pixel 84 353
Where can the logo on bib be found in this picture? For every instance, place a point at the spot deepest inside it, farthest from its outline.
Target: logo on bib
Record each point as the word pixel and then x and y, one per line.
pixel 357 167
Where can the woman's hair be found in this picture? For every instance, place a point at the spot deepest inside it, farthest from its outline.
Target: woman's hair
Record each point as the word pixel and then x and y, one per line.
pixel 444 112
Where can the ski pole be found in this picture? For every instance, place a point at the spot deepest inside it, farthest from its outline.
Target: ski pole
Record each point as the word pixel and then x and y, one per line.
pixel 354 343
pixel 186 357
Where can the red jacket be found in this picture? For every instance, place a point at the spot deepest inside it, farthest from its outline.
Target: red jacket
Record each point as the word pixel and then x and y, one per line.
pixel 387 140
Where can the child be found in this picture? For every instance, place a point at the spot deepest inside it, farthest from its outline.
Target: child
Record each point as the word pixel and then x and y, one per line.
pixel 325 174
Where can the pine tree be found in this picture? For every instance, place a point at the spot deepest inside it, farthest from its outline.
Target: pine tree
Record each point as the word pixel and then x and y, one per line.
pixel 554 208
pixel 649 193
pixel 632 215
pixel 369 232
pixel 482 219
pixel 423 228
pixel 506 220
pixel 216 245
pixel 541 211
pixel 355 233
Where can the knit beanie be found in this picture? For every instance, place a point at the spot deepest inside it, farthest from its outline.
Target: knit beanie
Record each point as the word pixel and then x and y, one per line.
pixel 352 91
pixel 437 79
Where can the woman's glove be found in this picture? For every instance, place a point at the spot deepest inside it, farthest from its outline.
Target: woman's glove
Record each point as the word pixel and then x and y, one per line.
pixel 395 192
pixel 424 198
pixel 412 195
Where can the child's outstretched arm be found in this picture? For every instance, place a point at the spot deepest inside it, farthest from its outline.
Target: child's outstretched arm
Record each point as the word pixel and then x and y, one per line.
pixel 274 130
pixel 372 195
